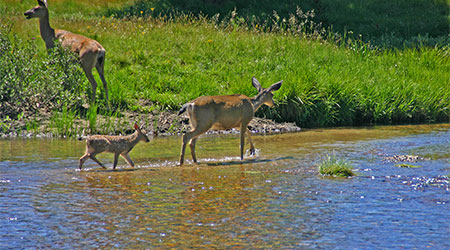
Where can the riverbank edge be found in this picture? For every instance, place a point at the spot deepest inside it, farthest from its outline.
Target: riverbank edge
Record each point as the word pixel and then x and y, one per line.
pixel 157 123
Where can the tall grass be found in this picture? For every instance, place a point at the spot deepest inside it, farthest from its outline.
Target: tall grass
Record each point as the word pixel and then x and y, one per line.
pixel 384 23
pixel 63 122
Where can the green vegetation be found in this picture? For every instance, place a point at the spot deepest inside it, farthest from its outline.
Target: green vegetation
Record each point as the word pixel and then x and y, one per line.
pixel 330 79
pixel 405 165
pixel 32 82
pixel 384 23
pixel 331 166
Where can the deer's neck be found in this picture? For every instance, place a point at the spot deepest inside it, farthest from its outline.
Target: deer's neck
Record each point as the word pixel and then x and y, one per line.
pixel 134 139
pixel 47 33
pixel 257 102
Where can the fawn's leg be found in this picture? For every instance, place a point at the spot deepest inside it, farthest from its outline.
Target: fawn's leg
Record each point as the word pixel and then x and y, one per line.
pixel 83 159
pixel 127 158
pixel 92 156
pixel 116 159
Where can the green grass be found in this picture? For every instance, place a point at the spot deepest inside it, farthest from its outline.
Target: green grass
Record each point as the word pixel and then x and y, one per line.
pixel 405 165
pixel 376 20
pixel 332 166
pixel 63 122
pixel 328 81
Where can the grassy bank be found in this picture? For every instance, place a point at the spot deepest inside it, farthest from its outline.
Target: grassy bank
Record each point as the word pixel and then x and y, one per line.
pixel 158 63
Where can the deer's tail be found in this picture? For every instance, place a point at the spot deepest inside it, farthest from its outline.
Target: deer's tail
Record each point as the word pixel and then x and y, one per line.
pixel 183 109
pixel 101 57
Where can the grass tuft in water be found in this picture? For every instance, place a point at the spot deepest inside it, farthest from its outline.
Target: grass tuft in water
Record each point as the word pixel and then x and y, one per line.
pixel 405 165
pixel 332 166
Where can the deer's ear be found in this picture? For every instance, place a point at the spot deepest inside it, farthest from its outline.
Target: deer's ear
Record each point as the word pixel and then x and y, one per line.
pixel 42 3
pixel 275 86
pixel 256 84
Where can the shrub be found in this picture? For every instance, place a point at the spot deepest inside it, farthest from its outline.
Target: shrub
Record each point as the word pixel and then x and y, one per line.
pixel 31 83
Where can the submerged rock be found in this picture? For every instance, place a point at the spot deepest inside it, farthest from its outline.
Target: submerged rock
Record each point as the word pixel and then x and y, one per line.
pixel 404 158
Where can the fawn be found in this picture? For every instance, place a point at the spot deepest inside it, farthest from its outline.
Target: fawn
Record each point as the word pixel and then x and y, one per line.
pixel 224 112
pixel 119 145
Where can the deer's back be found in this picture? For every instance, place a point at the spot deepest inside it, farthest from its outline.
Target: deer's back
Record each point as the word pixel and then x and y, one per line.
pixel 78 43
pixel 222 112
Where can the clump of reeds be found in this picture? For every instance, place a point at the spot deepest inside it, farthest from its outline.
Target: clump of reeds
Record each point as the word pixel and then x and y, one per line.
pixel 332 166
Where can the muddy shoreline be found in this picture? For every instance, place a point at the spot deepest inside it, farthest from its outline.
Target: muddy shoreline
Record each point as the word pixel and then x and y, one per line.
pixel 163 123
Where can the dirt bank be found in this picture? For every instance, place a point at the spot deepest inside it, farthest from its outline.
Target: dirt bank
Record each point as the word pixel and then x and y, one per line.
pixel 157 123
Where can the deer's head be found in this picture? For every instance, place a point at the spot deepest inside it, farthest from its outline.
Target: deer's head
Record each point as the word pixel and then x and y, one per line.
pixel 141 133
pixel 39 11
pixel 265 96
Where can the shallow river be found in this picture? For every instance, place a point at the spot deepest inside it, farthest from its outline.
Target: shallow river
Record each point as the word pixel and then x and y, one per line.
pixel 275 199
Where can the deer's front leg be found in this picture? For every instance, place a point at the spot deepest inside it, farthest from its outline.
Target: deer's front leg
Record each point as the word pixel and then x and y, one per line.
pixel 127 158
pixel 243 128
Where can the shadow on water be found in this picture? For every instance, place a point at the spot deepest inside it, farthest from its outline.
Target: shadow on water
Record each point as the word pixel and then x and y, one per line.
pixel 118 170
pixel 248 161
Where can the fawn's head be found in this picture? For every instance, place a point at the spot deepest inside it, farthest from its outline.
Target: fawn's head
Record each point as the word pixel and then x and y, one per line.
pixel 39 11
pixel 265 96
pixel 141 133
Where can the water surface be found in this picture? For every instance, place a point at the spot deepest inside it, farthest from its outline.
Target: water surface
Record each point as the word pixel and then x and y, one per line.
pixel 273 200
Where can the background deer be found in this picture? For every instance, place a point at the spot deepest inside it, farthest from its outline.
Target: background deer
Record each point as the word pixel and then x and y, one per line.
pixel 90 52
pixel 119 145
pixel 224 112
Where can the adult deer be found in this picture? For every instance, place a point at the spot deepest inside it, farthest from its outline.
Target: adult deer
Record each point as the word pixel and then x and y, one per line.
pixel 90 52
pixel 224 112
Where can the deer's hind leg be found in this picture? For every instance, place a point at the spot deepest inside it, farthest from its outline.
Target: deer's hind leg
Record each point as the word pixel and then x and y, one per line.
pixel 191 137
pixel 88 61
pixel 192 146
pixel 83 159
pixel 100 69
pixel 252 147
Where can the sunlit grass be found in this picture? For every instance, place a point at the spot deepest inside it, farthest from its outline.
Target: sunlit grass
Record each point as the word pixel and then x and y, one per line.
pixel 332 166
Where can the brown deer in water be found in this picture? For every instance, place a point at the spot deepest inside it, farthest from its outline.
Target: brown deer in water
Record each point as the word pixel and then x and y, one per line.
pixel 224 112
pixel 90 52
pixel 119 145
